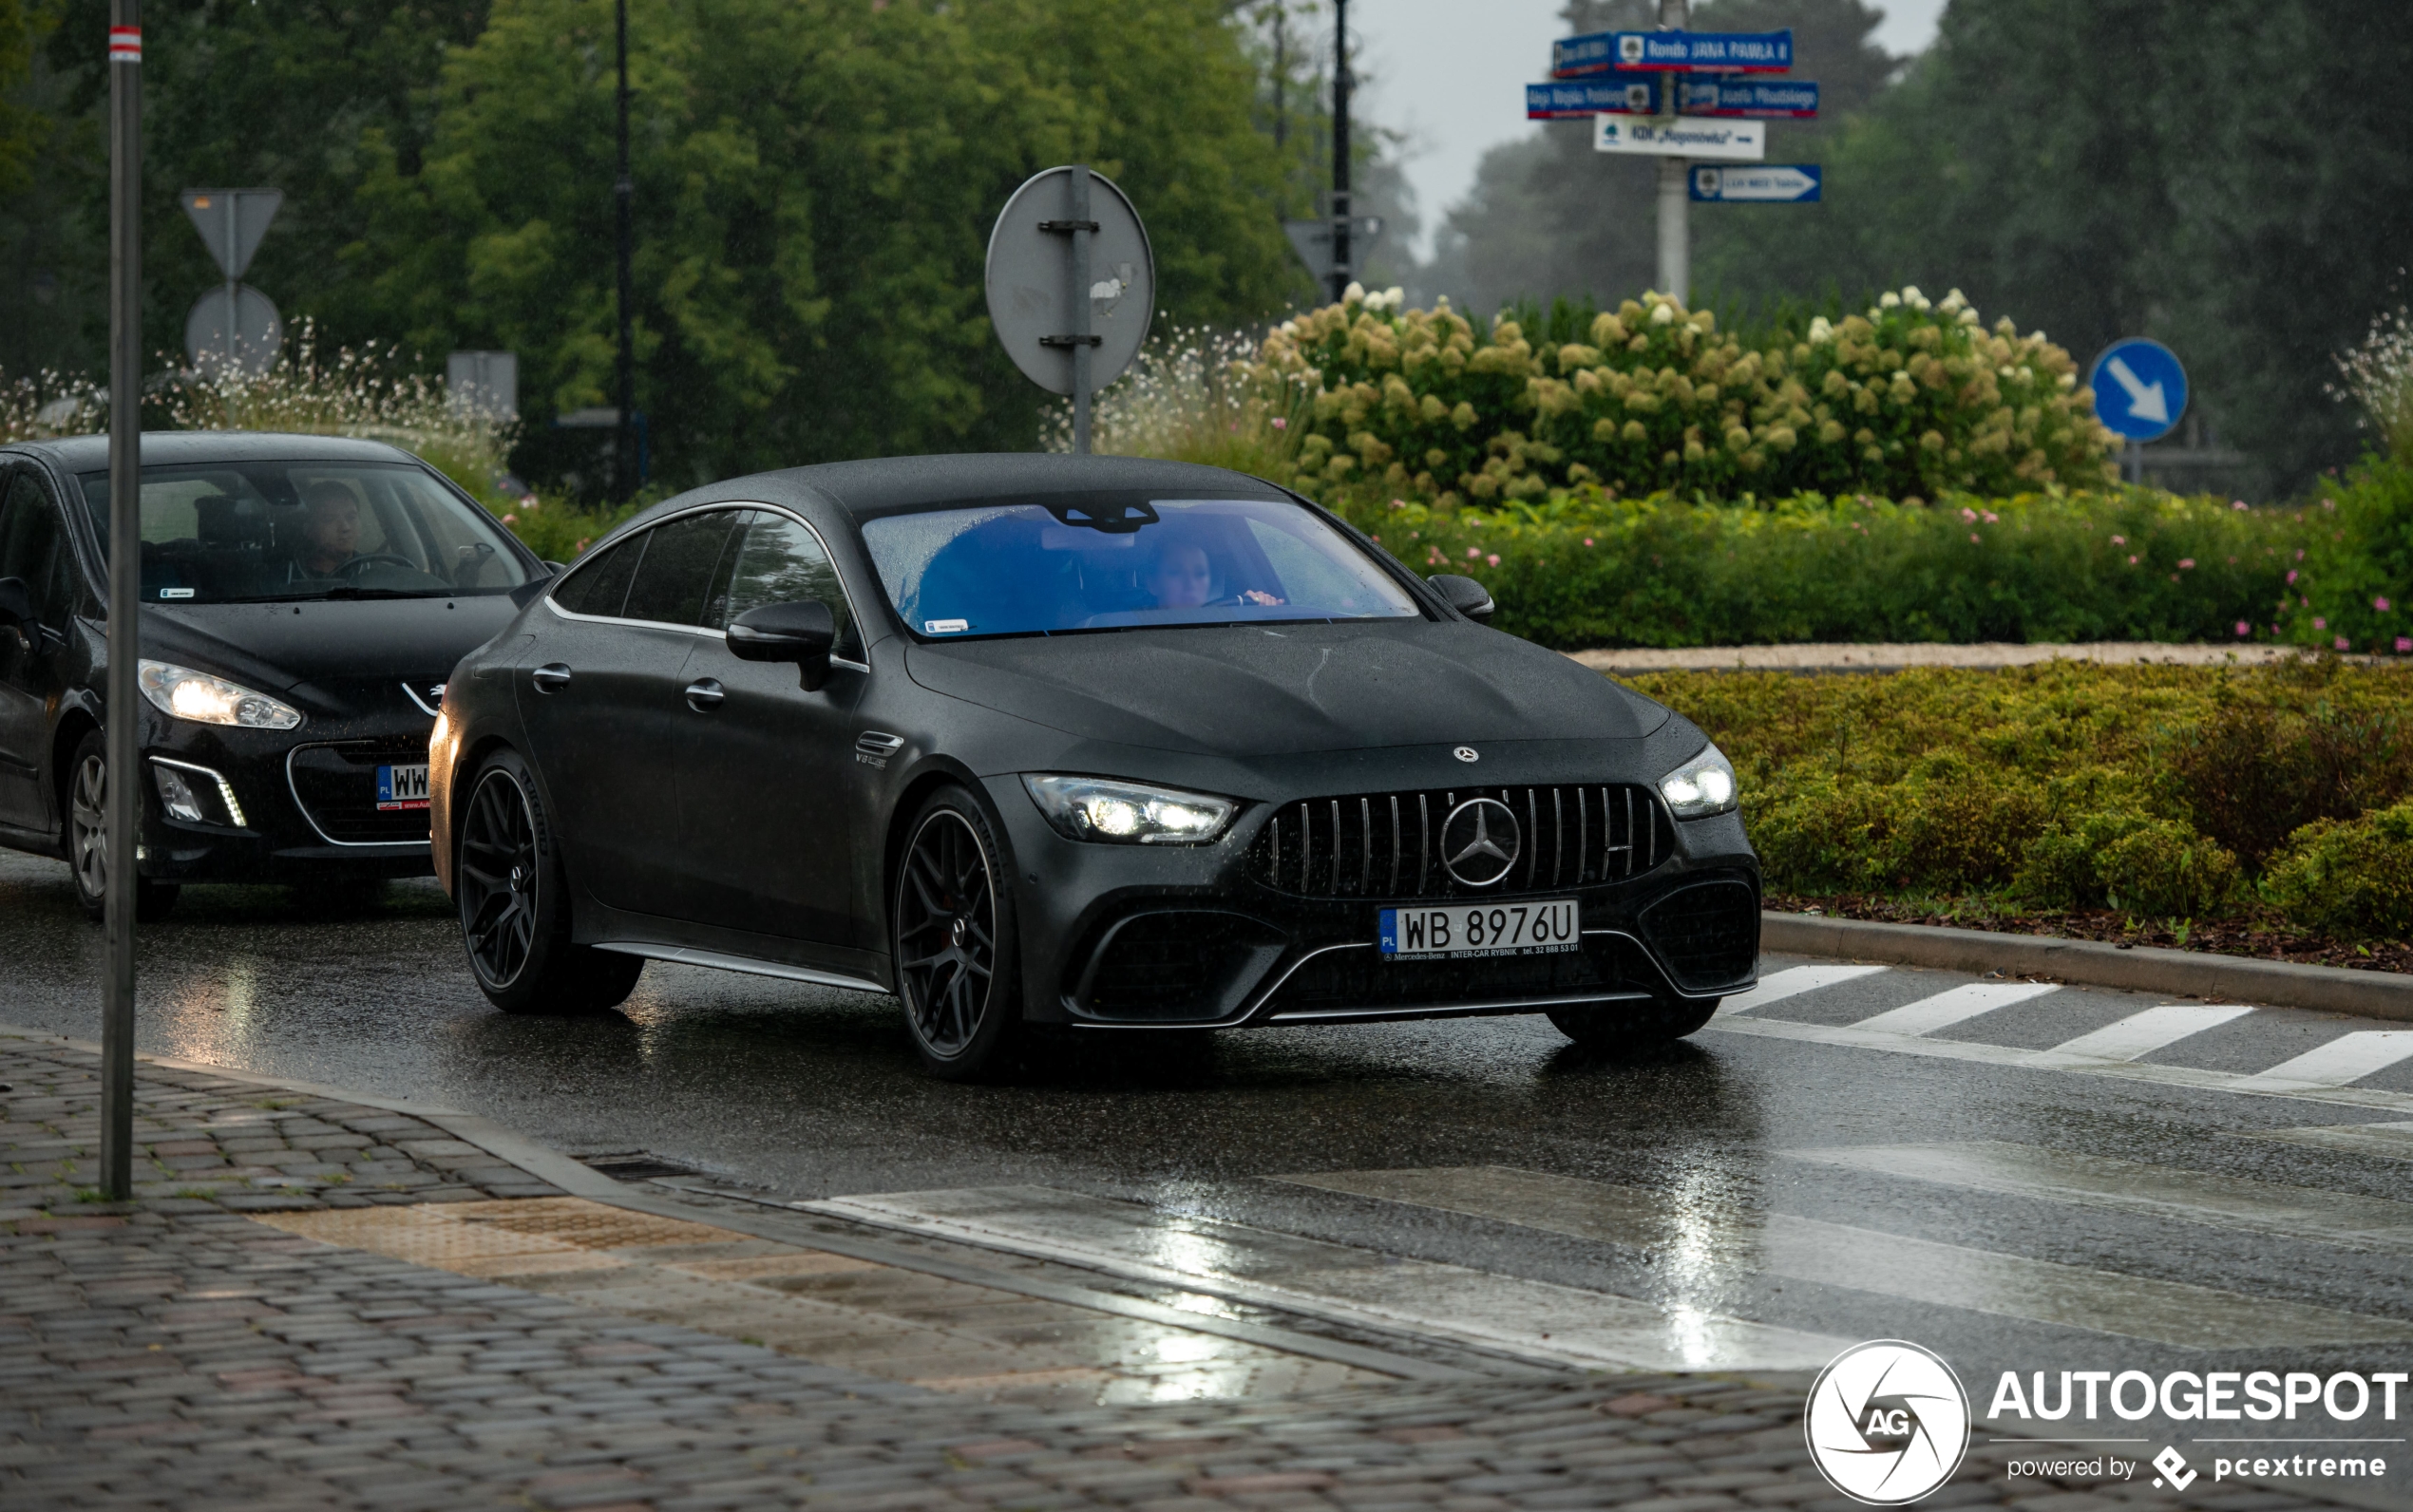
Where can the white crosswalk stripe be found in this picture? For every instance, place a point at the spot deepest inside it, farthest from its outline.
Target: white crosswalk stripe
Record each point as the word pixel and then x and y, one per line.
pixel 1535 1319
pixel 2131 1187
pixel 2341 1063
pixel 1699 1243
pixel 1949 1007
pixel 2140 1035
pixel 1792 982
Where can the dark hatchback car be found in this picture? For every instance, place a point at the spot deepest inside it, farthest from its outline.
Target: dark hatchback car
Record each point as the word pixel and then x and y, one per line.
pixel 303 598
pixel 1087 741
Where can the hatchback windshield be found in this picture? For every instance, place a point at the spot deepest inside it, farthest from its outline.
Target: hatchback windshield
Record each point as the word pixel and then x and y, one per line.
pixel 223 532
pixel 1036 568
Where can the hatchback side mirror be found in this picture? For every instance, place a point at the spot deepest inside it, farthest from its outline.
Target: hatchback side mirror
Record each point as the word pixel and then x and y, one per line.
pixel 1464 594
pixel 800 633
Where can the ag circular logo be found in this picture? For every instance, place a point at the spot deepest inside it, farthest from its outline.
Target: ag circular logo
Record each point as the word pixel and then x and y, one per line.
pixel 1888 1422
pixel 1467 753
pixel 1480 842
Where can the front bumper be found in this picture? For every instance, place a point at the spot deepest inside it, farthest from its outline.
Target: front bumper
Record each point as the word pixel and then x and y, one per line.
pixel 280 805
pixel 1181 936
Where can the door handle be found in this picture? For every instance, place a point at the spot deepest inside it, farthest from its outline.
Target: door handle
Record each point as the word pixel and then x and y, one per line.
pixel 550 678
pixel 704 694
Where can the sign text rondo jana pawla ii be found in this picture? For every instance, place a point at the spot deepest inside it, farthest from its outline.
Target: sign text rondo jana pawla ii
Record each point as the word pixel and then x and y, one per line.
pixel 1680 51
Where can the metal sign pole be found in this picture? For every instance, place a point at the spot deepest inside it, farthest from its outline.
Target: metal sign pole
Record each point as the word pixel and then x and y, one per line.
pixel 623 201
pixel 1082 226
pixel 122 795
pixel 1340 82
pixel 1675 199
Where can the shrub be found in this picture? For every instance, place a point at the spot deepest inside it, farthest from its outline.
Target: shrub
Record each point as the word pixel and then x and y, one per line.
pixel 1911 400
pixel 2163 869
pixel 2348 584
pixel 2254 771
pixel 2351 877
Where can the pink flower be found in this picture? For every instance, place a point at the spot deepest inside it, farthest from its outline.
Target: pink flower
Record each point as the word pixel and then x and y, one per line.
pixel 2328 503
pixel 2131 562
pixel 2404 643
pixel 1494 558
pixel 2379 604
pixel 1974 539
pixel 2292 575
pixel 2119 540
pixel 1376 539
pixel 1588 540
pixel 510 520
pixel 1281 423
pixel 2299 554
pixel 1399 503
pixel 1993 519
pixel 1970 515
pixel 1473 552
pixel 2339 643
pixel 2320 623
pixel 2244 629
pixel 2186 563
pixel 2236 504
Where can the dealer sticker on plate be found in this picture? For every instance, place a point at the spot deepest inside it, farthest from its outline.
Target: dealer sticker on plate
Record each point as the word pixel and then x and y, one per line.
pixel 402 787
pixel 1466 931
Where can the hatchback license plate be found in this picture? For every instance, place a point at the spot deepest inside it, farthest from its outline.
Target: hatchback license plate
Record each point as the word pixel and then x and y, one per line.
pixel 402 787
pixel 1468 930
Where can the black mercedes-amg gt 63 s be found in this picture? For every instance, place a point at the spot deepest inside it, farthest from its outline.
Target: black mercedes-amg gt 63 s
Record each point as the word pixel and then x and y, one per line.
pixel 1097 743
pixel 303 597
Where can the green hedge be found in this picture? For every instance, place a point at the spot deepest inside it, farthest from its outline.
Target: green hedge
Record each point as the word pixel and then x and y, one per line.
pixel 1912 399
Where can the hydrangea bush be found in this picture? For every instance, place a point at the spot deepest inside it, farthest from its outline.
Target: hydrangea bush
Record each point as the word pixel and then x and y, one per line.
pixel 1914 399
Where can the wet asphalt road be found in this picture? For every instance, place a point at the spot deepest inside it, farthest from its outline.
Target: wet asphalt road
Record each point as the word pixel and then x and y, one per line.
pixel 811 1093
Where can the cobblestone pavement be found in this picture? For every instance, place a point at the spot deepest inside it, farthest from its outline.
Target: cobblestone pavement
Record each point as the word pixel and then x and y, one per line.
pixel 174 1353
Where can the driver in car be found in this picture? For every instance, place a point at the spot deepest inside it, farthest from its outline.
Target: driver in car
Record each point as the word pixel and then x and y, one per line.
pixel 330 530
pixel 1182 577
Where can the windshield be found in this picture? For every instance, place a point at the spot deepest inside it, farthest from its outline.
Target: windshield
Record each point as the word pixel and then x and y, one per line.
pixel 225 532
pixel 1033 569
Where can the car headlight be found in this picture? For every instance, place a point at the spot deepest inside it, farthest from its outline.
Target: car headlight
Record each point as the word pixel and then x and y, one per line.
pixel 1702 787
pixel 197 696
pixel 1128 813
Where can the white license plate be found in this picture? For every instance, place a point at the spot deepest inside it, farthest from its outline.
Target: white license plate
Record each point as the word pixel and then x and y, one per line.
pixel 1466 931
pixel 402 786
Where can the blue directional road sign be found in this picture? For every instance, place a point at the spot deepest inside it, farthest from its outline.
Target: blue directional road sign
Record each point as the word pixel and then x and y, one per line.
pixel 1762 99
pixel 1682 52
pixel 2140 390
pixel 1631 95
pixel 1772 184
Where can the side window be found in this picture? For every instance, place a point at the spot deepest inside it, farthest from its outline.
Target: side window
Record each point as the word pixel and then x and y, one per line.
pixel 675 581
pixel 780 562
pixel 601 586
pixel 33 549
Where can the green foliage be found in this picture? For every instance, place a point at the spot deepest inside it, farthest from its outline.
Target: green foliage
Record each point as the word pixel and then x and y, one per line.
pixel 2351 877
pixel 1911 400
pixel 2352 585
pixel 1579 568
pixel 2064 784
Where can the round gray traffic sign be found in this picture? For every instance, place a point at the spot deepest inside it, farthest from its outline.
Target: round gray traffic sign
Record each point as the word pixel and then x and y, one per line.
pixel 1031 299
pixel 243 331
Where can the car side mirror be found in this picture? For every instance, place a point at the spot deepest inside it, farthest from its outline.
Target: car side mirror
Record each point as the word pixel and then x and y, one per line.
pixel 1464 594
pixel 16 603
pixel 800 633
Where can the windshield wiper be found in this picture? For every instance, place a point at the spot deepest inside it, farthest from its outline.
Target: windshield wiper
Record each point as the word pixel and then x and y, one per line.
pixel 346 591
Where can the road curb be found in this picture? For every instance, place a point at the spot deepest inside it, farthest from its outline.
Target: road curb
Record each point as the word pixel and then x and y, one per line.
pixel 2142 968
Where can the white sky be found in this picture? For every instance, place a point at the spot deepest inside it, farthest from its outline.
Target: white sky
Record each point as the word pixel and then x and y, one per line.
pixel 1451 73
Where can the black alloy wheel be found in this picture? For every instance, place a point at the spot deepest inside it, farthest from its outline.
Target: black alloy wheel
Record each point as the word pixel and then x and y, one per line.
pixel 953 940
pixel 87 837
pixel 1625 1029
pixel 514 919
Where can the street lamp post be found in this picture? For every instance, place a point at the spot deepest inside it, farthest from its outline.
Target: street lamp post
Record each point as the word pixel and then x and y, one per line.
pixel 122 796
pixel 623 196
pixel 1675 200
pixel 1340 85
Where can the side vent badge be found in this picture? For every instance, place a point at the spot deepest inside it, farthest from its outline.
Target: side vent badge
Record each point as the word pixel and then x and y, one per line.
pixel 873 748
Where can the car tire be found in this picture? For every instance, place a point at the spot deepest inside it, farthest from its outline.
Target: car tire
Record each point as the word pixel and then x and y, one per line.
pixel 84 837
pixel 513 892
pixel 953 938
pixel 1626 1028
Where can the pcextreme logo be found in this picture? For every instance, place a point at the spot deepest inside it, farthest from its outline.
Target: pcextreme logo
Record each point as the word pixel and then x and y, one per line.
pixel 1888 1422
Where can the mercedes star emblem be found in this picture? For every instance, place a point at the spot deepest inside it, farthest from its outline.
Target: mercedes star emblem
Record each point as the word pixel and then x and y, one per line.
pixel 1467 753
pixel 1480 842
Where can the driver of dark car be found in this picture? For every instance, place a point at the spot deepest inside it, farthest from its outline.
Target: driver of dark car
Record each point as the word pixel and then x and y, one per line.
pixel 330 530
pixel 1181 577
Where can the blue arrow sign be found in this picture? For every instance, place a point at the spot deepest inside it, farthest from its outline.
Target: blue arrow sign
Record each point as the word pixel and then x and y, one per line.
pixel 1635 95
pixel 1686 51
pixel 2140 389
pixel 1764 99
pixel 1772 184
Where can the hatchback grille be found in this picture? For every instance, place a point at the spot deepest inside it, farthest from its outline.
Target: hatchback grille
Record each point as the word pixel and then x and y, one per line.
pixel 1389 844
pixel 337 786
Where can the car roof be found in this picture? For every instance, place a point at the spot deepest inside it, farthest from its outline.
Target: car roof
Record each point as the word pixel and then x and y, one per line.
pixel 889 485
pixel 171 448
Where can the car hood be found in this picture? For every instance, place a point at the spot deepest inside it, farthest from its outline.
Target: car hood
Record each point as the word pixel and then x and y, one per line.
pixel 325 647
pixel 1255 689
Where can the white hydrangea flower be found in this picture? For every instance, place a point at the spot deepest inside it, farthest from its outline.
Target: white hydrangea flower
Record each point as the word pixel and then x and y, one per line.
pixel 1953 303
pixel 1890 300
pixel 2067 381
pixel 1820 331
pixel 1968 317
pixel 1910 295
pixel 1662 314
pixel 1393 297
pixel 1353 294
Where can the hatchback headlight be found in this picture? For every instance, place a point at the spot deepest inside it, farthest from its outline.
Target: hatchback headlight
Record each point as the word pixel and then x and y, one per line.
pixel 207 700
pixel 1127 813
pixel 1702 787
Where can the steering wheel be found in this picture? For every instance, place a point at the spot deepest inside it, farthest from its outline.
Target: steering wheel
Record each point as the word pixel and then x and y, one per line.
pixel 373 559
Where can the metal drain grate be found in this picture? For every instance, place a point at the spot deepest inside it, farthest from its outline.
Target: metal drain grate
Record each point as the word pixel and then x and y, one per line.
pixel 588 1225
pixel 636 1165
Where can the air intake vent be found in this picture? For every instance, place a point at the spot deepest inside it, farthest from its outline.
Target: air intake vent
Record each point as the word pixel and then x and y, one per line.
pixel 1390 844
pixel 1708 935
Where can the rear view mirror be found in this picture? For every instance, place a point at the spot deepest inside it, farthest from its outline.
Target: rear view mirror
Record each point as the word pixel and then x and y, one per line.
pixel 800 633
pixel 1464 594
